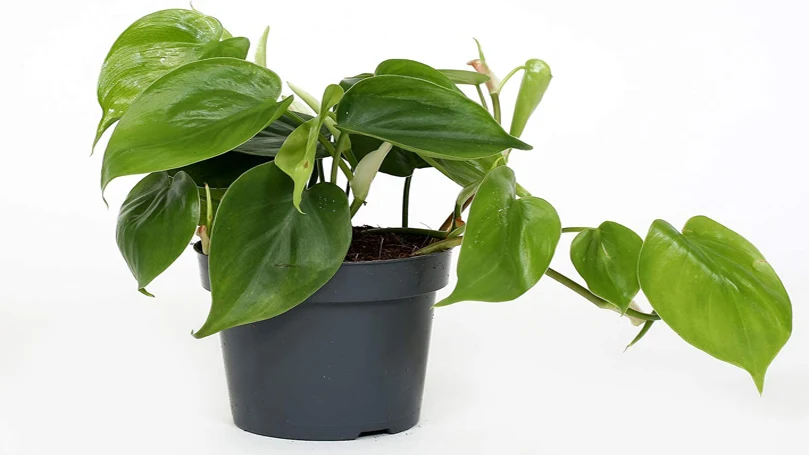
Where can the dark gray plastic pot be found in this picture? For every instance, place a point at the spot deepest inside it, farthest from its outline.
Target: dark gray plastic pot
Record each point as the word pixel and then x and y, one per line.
pixel 349 361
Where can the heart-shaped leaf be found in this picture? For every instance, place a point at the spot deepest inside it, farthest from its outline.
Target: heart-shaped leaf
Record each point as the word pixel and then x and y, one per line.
pixel 156 223
pixel 508 244
pixel 716 290
pixel 415 69
pixel 607 259
pixel 153 46
pixel 196 112
pixel 422 117
pixel 261 269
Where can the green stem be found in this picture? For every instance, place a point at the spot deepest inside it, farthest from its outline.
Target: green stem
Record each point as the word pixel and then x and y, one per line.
pixel 320 173
pixel 508 76
pixel 406 201
pixel 356 204
pixel 574 229
pixel 482 98
pixel 496 106
pixel 439 246
pixel 596 300
pixel 412 231
pixel 342 143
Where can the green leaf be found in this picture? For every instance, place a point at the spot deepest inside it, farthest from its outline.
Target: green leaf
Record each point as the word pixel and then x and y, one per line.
pixel 508 245
pixel 153 46
pixel 464 173
pixel 268 141
pixel 156 223
pixel 296 157
pixel 422 117
pixel 716 290
pixel 220 171
pixel 263 268
pixel 349 82
pixel 607 259
pixel 535 81
pixel 196 112
pixel 366 171
pixel 399 163
pixel 402 67
pixel 261 49
pixel 465 77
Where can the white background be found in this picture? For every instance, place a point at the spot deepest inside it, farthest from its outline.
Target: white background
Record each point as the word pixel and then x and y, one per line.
pixel 657 110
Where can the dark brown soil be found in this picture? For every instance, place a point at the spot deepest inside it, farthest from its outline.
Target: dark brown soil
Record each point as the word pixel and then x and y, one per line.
pixel 374 246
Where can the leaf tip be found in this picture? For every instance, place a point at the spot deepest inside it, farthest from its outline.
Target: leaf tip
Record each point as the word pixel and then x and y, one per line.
pixel 145 292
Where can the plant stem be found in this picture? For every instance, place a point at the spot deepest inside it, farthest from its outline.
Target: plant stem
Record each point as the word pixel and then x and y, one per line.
pixel 439 246
pixel 482 98
pixel 496 106
pixel 508 76
pixel 356 204
pixel 320 173
pixel 574 229
pixel 406 200
pixel 413 231
pixel 596 300
pixel 342 143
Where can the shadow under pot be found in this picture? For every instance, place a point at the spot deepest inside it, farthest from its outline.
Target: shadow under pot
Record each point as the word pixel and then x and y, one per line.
pixel 349 361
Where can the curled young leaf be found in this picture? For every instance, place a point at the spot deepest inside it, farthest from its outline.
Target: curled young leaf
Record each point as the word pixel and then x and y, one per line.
pixel 607 259
pixel 422 117
pixel 261 49
pixel 296 158
pixel 196 112
pixel 261 269
pixel 508 244
pixel 535 80
pixel 156 223
pixel 716 290
pixel 465 77
pixel 366 171
pixel 153 46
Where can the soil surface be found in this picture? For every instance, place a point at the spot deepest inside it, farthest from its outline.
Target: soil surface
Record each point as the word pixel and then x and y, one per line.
pixel 374 246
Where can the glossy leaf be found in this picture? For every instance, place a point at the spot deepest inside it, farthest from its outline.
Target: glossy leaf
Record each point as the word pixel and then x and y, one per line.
pixel 196 112
pixel 366 171
pixel 222 170
pixel 422 117
pixel 153 46
pixel 464 173
pixel 349 82
pixel 508 244
pixel 411 68
pixel 399 163
pixel 535 80
pixel 261 49
pixel 297 156
pixel 607 259
pixel 156 223
pixel 268 141
pixel 465 77
pixel 263 268
pixel 716 290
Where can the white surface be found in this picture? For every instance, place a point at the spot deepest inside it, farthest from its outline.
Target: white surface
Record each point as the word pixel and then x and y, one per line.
pixel 656 110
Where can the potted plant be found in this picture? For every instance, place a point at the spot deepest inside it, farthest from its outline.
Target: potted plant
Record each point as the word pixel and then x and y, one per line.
pixel 325 327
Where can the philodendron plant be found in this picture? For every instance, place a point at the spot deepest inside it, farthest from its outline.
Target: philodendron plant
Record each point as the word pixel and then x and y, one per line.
pixel 256 176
